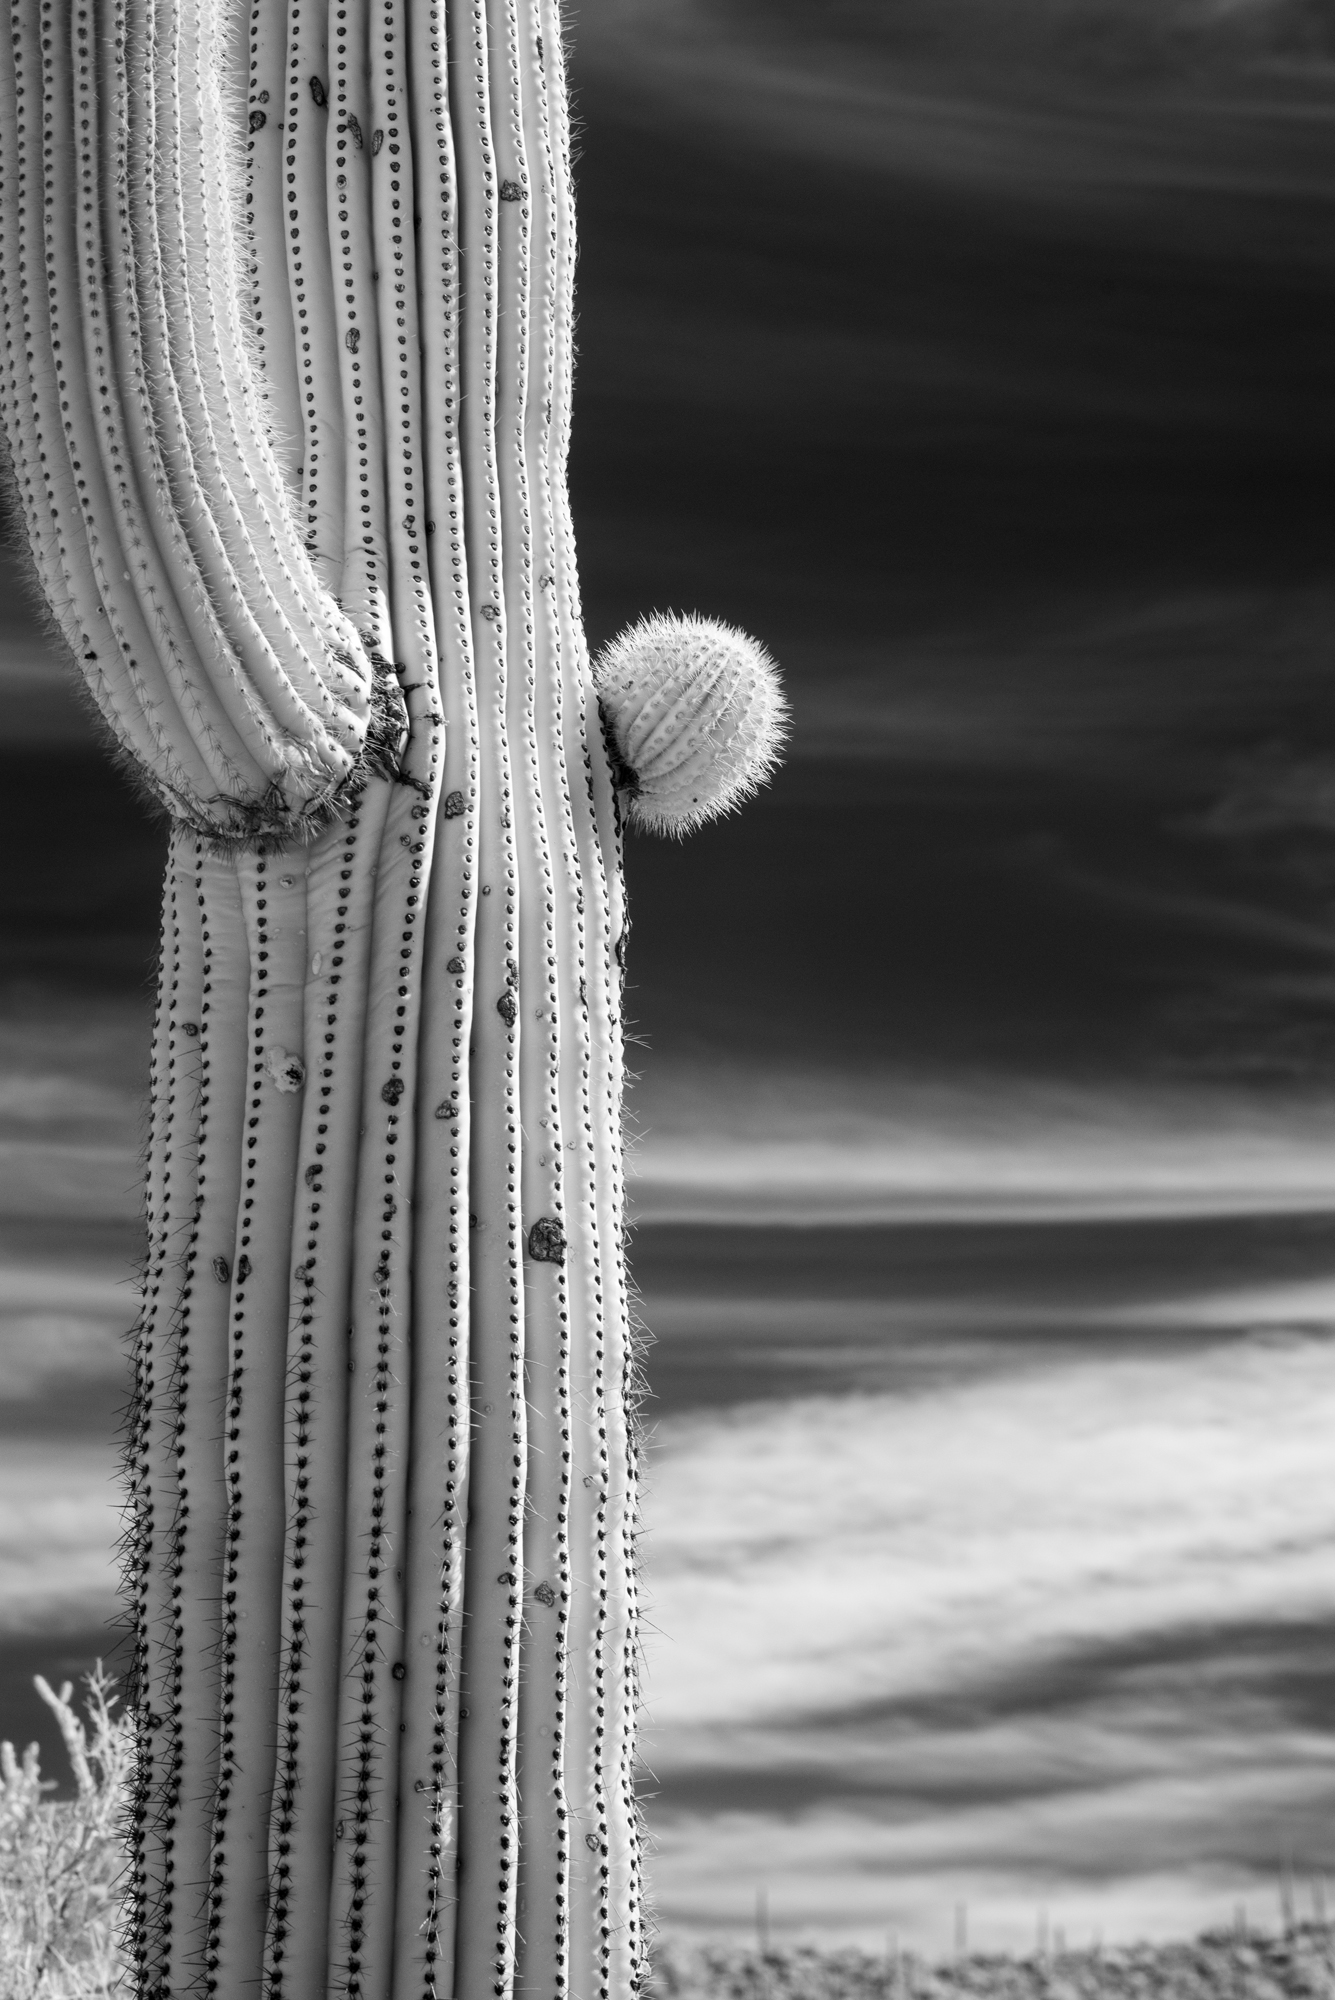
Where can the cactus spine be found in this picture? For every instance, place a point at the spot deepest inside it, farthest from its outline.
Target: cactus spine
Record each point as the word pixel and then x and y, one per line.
pixel 286 384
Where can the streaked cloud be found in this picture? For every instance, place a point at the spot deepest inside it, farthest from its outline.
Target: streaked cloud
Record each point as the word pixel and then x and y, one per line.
pixel 1064 109
pixel 1051 1638
pixel 60 1519
pixel 993 1526
pixel 721 1144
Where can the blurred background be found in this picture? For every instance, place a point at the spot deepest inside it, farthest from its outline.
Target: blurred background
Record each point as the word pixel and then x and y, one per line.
pixel 977 355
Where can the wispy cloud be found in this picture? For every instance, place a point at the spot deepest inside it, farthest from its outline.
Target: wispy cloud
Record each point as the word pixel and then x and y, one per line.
pixel 1053 1638
pixel 731 1145
pixel 59 1521
pixel 1064 114
pixel 1131 686
pixel 992 1526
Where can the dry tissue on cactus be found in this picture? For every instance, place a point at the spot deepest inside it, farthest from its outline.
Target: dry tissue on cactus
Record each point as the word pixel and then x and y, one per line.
pixel 695 715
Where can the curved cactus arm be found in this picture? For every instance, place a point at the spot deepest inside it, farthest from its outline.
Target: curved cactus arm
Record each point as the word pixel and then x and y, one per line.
pixel 270 296
pixel 50 433
pixel 226 668
pixel 305 119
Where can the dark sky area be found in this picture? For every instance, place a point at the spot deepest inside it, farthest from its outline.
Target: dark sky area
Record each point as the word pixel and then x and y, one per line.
pixel 979 359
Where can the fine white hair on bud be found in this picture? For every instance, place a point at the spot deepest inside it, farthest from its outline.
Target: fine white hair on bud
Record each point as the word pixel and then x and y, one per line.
pixel 695 719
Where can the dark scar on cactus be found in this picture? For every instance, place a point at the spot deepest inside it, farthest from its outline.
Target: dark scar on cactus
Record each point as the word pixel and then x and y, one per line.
pixel 222 1270
pixel 511 191
pixel 453 805
pixel 257 119
pixel 377 141
pixel 546 1241
pixel 319 93
pixel 392 1091
pixel 544 1593
pixel 624 777
pixel 355 130
pixel 507 1009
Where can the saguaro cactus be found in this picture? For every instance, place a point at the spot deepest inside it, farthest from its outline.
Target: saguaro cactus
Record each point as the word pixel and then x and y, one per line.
pixel 287 299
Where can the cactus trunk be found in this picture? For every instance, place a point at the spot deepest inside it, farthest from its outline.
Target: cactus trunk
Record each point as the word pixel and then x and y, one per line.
pixel 287 296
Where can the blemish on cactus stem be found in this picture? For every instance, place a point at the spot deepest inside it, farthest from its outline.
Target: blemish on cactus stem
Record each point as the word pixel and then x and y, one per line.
pixel 392 1091
pixel 546 1241
pixel 455 964
pixel 398 1670
pixel 319 93
pixel 257 119
pixel 222 1270
pixel 243 1269
pixel 591 1842
pixel 313 1173
pixel 491 612
pixel 377 141
pixel 447 1110
pixel 453 805
pixel 511 191
pixel 288 1072
pixel 189 1027
pixel 355 130
pixel 544 1593
pixel 352 339
pixel 507 1009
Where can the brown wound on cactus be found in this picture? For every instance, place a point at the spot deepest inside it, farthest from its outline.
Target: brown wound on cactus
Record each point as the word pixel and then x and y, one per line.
pixel 547 1241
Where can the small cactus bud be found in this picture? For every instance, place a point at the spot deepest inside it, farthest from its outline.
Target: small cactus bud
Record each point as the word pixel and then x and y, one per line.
pixel 695 718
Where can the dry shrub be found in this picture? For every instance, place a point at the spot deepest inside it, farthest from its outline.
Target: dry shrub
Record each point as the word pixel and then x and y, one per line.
pixel 62 1861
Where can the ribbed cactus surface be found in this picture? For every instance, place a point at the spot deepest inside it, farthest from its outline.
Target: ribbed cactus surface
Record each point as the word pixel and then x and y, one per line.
pixel 287 370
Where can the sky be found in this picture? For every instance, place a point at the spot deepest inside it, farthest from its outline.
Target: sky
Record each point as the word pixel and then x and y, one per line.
pixel 976 355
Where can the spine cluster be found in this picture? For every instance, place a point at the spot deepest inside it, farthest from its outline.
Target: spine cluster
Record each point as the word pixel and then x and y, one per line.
pixel 286 383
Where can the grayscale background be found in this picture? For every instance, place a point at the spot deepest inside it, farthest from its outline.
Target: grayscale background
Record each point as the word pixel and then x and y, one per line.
pixel 977 355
